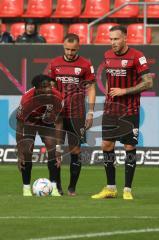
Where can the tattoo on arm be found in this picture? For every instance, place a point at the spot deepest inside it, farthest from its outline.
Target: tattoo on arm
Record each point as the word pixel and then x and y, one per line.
pixel 145 84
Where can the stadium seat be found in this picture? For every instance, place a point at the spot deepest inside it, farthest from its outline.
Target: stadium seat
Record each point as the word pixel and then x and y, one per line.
pixel 136 34
pixel 153 10
pixel 52 32
pixel 81 29
pixel 11 8
pixel 126 12
pixel 95 8
pixel 102 34
pixel 67 9
pixel 38 8
pixel 17 29
pixel 3 27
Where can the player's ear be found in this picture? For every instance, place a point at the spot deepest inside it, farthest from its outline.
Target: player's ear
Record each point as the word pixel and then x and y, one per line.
pixel 125 38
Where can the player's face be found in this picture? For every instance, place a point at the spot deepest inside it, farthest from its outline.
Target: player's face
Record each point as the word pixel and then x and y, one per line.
pixel 44 88
pixel 70 50
pixel 30 28
pixel 118 41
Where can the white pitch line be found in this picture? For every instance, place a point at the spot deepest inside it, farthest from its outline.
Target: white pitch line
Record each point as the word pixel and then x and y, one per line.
pixel 77 217
pixel 100 234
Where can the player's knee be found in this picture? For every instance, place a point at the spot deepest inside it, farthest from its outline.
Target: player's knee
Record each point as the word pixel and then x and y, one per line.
pixel 26 146
pixel 74 149
pixel 107 145
pixel 51 163
pixel 128 147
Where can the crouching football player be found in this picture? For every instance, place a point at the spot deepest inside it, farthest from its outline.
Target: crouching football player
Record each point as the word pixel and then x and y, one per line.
pixel 39 113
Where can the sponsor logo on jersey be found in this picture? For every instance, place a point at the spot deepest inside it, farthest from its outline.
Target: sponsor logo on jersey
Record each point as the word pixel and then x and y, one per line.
pixel 77 71
pixel 117 72
pixel 65 79
pixel 124 63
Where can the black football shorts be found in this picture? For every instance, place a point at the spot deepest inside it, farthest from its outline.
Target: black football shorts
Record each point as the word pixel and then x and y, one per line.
pixel 123 129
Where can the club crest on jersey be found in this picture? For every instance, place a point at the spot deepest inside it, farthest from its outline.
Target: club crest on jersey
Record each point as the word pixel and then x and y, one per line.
pixel 124 63
pixel 77 71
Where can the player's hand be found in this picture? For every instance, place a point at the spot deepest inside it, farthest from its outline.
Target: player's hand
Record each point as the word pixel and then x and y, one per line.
pixel 58 159
pixel 117 92
pixel 89 121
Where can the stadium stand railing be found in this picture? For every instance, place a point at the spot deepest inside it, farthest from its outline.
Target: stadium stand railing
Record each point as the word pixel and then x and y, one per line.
pixel 145 23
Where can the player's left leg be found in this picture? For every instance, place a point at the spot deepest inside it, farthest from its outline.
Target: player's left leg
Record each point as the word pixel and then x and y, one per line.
pixel 130 165
pixel 130 142
pixel 74 141
pixel 47 134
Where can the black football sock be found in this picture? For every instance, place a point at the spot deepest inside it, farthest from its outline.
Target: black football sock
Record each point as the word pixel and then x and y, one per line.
pixel 59 177
pixel 26 173
pixel 52 166
pixel 109 158
pixel 59 185
pixel 130 165
pixel 75 168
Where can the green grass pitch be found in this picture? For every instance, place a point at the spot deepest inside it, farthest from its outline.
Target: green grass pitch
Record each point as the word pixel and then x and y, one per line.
pixel 80 217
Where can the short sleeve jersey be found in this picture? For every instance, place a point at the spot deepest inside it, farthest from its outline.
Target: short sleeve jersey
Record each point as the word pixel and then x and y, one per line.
pixel 124 71
pixel 72 77
pixel 35 109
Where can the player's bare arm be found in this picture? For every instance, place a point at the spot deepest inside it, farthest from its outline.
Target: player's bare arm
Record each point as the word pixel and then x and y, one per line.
pixel 145 84
pixel 91 100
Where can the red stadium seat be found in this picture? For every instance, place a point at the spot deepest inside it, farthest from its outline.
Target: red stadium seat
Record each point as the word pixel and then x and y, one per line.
pixel 67 9
pixel 136 34
pixel 153 10
pixel 128 11
pixel 102 35
pixel 95 8
pixel 52 32
pixel 3 27
pixel 39 8
pixel 17 29
pixel 81 29
pixel 11 8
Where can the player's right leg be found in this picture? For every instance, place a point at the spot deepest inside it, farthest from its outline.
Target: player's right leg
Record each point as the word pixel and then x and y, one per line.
pixel 26 147
pixel 110 190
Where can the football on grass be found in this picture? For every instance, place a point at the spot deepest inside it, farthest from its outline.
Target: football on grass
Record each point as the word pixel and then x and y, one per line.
pixel 42 187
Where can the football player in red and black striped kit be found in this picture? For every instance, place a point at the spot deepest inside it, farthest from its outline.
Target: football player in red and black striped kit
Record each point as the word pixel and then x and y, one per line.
pixel 127 75
pixel 75 78
pixel 39 113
